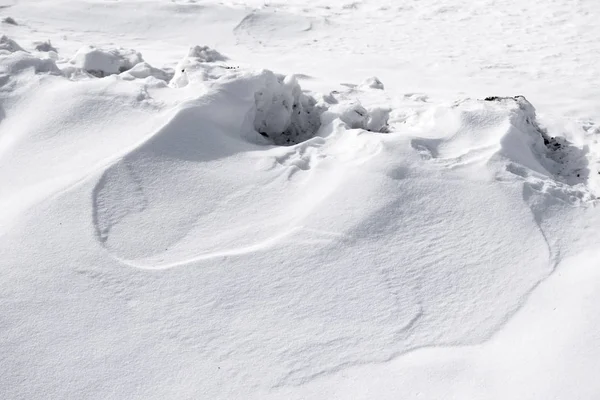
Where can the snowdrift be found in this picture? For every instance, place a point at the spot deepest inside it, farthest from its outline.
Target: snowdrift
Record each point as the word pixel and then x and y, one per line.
pixel 222 223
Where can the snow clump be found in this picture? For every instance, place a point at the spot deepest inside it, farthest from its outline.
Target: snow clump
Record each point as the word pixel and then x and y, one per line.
pixel 16 60
pixel 14 63
pixel 355 116
pixel 200 65
pixel 284 114
pixel 7 45
pixel 100 63
pixel 372 83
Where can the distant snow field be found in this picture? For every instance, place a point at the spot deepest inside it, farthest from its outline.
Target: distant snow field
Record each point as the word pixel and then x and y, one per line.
pixel 264 200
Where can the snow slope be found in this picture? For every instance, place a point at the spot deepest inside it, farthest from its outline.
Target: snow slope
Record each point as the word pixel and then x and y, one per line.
pixel 367 221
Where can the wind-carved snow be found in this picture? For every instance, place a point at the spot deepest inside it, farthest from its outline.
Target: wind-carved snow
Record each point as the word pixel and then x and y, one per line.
pixel 118 194
pixel 273 28
pixel 208 220
pixel 204 188
pixel 507 129
pixel 384 278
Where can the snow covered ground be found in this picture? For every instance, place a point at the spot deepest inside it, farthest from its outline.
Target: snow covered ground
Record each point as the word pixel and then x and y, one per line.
pixel 281 200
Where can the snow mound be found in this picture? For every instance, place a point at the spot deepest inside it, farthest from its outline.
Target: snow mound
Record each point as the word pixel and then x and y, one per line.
pixel 14 60
pixel 133 195
pixel 205 54
pixel 199 65
pixel 275 27
pixel 9 45
pixel 144 70
pixel 372 83
pixel 100 63
pixel 529 144
pixel 504 129
pixel 284 114
pixel 17 62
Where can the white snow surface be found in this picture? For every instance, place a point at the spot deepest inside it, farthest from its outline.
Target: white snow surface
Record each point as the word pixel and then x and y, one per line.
pixel 280 200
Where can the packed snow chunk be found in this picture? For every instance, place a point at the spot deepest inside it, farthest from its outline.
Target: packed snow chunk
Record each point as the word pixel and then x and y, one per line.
pixel 199 65
pixel 378 119
pixel 205 54
pixel 100 63
pixel 9 21
pixel 355 116
pixel 7 45
pixel 284 114
pixel 14 63
pixel 44 47
pixel 372 83
pixel 144 70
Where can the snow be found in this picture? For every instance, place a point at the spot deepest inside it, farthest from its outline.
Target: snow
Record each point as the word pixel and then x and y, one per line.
pixel 222 200
pixel 100 62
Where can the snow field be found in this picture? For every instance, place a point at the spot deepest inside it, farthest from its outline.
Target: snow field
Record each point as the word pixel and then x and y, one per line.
pixel 176 223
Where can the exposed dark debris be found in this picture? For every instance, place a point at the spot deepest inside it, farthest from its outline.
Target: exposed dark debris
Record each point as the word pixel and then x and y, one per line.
pixel 44 46
pixel 501 98
pixel 9 21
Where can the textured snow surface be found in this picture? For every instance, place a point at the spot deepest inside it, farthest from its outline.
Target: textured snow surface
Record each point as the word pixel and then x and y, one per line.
pixel 263 200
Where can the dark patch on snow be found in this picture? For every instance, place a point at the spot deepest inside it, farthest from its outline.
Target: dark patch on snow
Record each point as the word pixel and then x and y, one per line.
pixel 501 98
pixel 44 46
pixel 9 21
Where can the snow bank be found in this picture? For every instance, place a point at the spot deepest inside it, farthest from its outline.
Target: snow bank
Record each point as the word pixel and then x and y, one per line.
pixel 192 184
